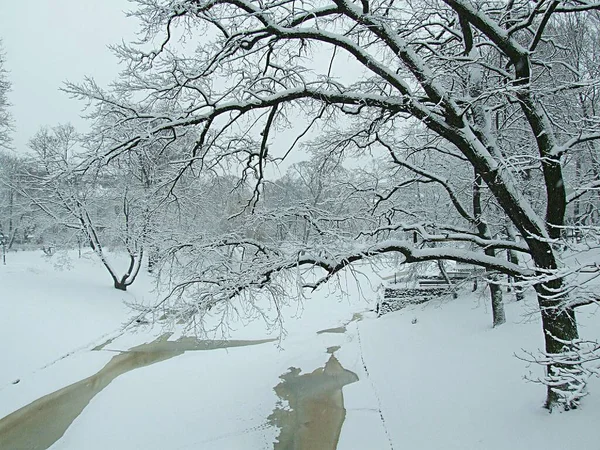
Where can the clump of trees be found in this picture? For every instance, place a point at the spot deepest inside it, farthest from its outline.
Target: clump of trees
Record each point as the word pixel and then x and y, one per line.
pixel 438 130
pixel 487 107
pixel 7 228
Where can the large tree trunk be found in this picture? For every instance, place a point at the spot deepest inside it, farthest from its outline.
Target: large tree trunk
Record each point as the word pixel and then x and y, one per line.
pixel 558 321
pixel 562 324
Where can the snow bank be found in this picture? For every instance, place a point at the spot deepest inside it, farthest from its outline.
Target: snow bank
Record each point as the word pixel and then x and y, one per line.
pixel 451 381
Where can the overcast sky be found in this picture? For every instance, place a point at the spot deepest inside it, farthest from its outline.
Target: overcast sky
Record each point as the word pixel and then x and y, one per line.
pixel 49 41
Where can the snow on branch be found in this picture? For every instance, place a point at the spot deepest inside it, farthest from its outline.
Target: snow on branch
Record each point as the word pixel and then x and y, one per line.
pixel 568 372
pixel 447 233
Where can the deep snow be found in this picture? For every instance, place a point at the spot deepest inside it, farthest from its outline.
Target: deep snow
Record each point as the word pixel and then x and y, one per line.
pixel 447 381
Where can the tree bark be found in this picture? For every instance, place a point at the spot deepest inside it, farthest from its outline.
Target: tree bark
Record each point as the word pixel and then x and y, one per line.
pixel 563 324
pixel 120 286
pixel 499 317
pixel 514 258
pixel 498 314
pixel 558 321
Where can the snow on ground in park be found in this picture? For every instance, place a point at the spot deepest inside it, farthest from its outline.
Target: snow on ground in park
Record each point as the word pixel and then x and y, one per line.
pixel 50 308
pixel 448 380
pixel 219 399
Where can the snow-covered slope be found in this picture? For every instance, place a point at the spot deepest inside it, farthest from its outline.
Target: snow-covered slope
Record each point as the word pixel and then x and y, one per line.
pixel 451 381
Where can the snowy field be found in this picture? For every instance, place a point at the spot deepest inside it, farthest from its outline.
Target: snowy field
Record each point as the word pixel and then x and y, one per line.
pixel 430 377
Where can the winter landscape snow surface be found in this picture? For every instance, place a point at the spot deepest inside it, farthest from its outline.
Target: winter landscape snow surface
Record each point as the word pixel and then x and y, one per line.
pixel 429 377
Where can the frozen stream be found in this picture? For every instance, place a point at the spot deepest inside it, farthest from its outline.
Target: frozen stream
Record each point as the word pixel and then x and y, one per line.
pixel 41 423
pixel 310 415
pixel 313 418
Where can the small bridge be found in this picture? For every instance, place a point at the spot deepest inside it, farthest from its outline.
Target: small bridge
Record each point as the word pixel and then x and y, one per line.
pixel 429 288
pixel 395 298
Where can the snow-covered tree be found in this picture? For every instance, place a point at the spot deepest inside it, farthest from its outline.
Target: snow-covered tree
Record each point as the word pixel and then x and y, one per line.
pixel 478 76
pixel 96 207
pixel 16 222
pixel 5 117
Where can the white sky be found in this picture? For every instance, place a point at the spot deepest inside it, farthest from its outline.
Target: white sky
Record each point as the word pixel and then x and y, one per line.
pixel 49 41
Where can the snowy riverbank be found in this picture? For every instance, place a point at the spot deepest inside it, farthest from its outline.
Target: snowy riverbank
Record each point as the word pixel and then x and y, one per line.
pixel 446 381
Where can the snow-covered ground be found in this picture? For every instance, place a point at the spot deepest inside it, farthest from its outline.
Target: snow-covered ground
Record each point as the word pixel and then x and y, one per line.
pixel 448 380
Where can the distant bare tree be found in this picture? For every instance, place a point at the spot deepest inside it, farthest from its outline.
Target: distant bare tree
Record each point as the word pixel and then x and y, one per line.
pixel 5 117
pixel 96 204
